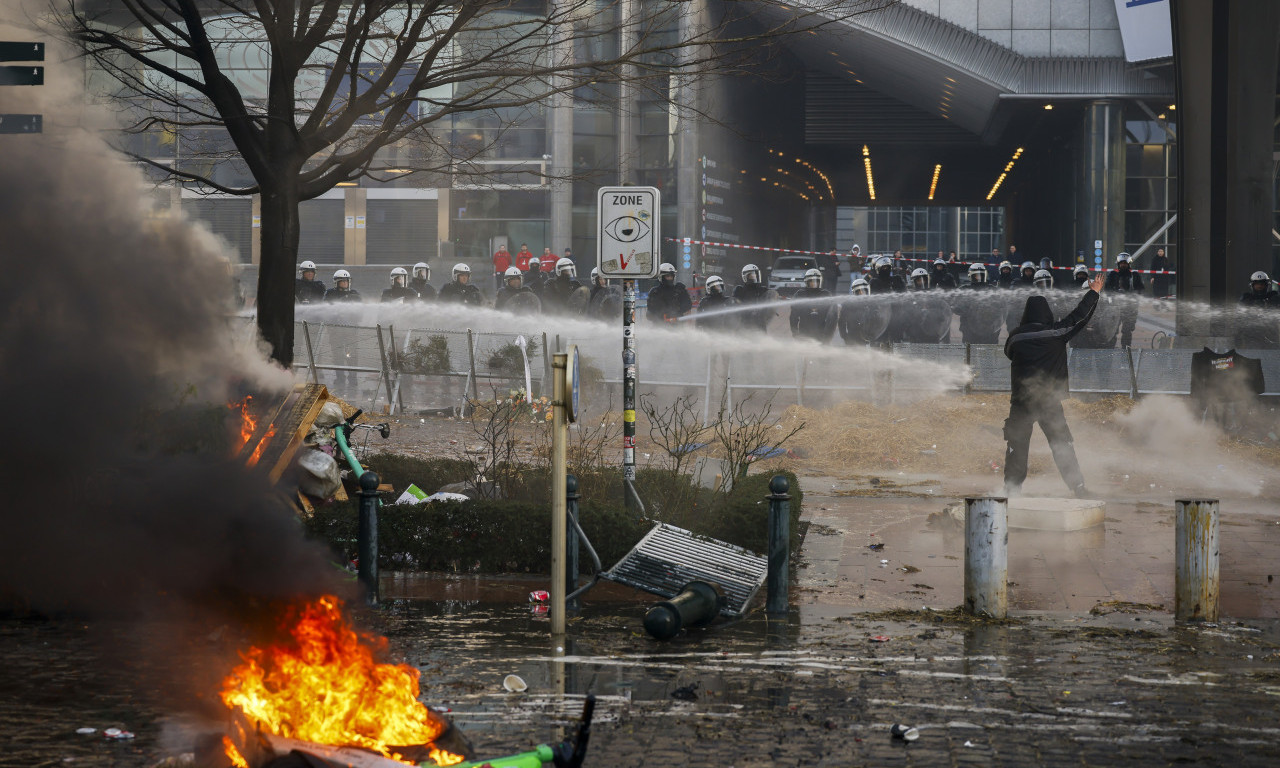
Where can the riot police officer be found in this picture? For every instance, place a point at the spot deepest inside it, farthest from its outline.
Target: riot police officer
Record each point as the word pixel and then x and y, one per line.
pixel 421 281
pixel 668 300
pixel 812 319
pixel 342 290
pixel 399 291
pixel 513 286
pixel 556 292
pixel 715 299
pixel 1128 285
pixel 753 291
pixel 307 289
pixel 461 291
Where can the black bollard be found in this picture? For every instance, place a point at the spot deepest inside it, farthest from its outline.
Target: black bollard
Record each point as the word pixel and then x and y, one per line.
pixel 367 538
pixel 697 604
pixel 571 535
pixel 779 545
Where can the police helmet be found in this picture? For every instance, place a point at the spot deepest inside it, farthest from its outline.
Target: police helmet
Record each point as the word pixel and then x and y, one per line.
pixel 1124 258
pixel 1006 265
pixel 751 273
pixel 1259 277
pixel 977 273
pixel 307 266
pixel 566 267
pixel 1043 279
pixel 860 287
pixel 813 276
pixel 666 269
pixel 401 273
pixel 1027 265
pixel 461 269
pixel 422 270
pixel 1080 269
pixel 341 274
pixel 715 284
pixel 513 272
pixel 884 261
pixel 534 263
pixel 942 262
pixel 920 277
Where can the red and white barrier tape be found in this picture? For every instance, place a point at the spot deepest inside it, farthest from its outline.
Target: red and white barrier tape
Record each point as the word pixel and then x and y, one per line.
pixel 691 241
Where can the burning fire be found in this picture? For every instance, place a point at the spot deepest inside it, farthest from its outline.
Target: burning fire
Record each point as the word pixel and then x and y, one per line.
pixel 247 422
pixel 324 686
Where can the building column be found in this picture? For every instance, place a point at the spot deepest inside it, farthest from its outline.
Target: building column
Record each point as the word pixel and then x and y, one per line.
pixel 561 149
pixel 1100 201
pixel 1225 57
pixel 354 207
pixel 688 170
pixel 444 201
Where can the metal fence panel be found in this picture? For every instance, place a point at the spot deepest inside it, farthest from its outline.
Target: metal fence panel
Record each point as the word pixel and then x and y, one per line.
pixel 990 368
pixel 1164 371
pixel 1100 370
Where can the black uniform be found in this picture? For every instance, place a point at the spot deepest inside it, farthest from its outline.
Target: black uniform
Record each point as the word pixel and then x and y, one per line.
pixel 1022 281
pixel 308 291
pixel 507 293
pixel 668 302
pixel 1037 352
pixel 711 303
pixel 812 320
pixel 980 315
pixel 334 295
pixel 534 281
pixel 398 293
pixel 556 292
pixel 941 277
pixel 886 282
pixel 422 288
pixel 462 293
pixel 1127 282
pixel 1159 283
pixel 754 293
pixel 1004 279
pixel 600 296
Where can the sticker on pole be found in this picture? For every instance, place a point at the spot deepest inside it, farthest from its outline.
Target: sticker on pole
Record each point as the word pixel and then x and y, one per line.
pixel 627 231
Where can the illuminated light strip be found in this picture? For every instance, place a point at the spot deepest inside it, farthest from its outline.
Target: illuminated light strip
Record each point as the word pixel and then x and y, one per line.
pixel 933 186
pixel 1007 169
pixel 866 163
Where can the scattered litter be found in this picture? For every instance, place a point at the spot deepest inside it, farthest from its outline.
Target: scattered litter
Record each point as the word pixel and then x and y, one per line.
pixel 876 547
pixel 540 610
pixel 686 693
pixel 412 495
pixel 884 562
pixel 1119 703
pixel 879 638
pixel 904 732
pixel 86 731
pixel 873 481
pixel 515 684
pixel 117 734
pixel 968 743
pixel 539 596
pixel 442 709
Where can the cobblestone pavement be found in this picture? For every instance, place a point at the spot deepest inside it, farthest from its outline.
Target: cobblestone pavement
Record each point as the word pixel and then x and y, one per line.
pixel 1041 690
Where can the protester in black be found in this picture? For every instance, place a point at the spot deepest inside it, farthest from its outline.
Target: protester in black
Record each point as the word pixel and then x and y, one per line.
pixel 1037 352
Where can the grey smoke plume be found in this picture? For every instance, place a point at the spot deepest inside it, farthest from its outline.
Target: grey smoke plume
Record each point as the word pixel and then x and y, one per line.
pixel 117 356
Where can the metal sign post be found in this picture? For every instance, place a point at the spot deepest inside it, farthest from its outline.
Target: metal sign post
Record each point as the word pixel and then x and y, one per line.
pixel 628 236
pixel 559 524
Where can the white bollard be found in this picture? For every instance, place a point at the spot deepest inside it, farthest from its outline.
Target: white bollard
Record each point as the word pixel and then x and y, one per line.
pixel 986 557
pixel 1196 560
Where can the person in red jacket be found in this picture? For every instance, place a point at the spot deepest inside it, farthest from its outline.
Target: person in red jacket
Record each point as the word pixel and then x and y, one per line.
pixel 522 257
pixel 549 260
pixel 501 261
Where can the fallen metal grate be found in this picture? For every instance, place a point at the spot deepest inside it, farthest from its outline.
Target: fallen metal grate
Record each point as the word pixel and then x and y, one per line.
pixel 668 558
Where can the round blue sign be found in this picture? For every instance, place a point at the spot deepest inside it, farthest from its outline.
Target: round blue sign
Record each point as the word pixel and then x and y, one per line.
pixel 1098 260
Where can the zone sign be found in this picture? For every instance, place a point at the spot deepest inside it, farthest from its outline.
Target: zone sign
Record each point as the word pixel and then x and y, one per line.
pixel 627 234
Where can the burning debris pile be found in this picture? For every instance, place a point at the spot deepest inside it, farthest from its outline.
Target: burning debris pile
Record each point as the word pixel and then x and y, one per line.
pixel 321 691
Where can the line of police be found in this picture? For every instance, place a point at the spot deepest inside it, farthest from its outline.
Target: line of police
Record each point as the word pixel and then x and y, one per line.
pixel 521 293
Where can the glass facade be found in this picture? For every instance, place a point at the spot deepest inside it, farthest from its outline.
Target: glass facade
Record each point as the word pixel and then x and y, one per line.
pixel 1150 191
pixel 921 231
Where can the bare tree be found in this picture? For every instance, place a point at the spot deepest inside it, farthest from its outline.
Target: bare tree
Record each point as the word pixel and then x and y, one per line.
pixel 347 79
pixel 745 432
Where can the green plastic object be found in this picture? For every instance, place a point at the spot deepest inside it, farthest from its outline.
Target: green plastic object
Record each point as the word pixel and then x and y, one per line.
pixel 540 756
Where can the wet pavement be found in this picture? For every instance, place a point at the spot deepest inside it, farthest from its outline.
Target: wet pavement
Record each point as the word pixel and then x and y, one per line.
pixel 1090 671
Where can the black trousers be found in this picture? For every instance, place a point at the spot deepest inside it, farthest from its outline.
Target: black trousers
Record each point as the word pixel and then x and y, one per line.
pixel 1017 432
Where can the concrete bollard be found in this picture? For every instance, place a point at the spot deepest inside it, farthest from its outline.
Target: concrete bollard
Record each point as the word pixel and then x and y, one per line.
pixel 779 546
pixel 697 604
pixel 1196 560
pixel 986 557
pixel 367 536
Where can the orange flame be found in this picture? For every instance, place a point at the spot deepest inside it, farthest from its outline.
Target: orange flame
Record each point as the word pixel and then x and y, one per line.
pixel 324 686
pixel 247 422
pixel 257 452
pixel 233 754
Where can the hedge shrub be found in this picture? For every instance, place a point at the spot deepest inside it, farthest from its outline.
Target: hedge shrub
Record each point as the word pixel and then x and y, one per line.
pixel 510 536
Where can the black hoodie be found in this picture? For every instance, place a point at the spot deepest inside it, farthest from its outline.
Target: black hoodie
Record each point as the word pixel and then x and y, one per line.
pixel 1037 348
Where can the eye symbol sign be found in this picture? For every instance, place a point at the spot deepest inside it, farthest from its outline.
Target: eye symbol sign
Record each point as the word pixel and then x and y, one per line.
pixel 627 229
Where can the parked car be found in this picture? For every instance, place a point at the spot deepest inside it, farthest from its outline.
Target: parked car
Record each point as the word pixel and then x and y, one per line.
pixel 786 276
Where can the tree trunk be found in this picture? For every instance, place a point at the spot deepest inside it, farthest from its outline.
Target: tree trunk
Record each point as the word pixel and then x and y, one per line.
pixel 279 235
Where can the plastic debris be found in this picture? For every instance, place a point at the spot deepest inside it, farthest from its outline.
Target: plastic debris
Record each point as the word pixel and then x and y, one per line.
pixel 884 562
pixel 968 743
pixel 515 684
pixel 117 734
pixel 904 732
pixel 876 547
pixel 879 638
pixel 686 693
pixel 86 731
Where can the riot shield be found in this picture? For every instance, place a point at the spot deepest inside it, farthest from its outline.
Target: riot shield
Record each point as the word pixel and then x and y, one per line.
pixel 1101 331
pixel 576 302
pixel 864 320
pixel 524 303
pixel 930 319
pixel 607 305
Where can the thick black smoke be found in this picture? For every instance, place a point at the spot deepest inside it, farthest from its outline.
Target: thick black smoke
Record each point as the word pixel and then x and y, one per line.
pixel 116 357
